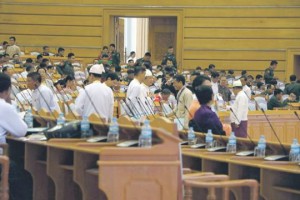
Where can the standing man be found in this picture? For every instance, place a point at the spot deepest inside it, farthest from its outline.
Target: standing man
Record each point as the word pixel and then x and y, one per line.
pixel 239 116
pixel 184 100
pixel 246 89
pixel 224 91
pixel 13 49
pixel 293 87
pixel 146 93
pixel 135 90
pixel 96 97
pixel 42 96
pixel 215 82
pixel 115 56
pixel 170 56
pixel 269 72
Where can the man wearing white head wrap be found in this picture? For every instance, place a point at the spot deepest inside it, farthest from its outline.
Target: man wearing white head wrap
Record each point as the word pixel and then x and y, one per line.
pixel 146 101
pixel 239 118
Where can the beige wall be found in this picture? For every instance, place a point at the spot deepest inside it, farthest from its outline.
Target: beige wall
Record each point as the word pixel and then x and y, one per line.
pixel 234 34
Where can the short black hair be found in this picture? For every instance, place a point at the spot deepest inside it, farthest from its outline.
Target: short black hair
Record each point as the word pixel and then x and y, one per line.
pixel 277 91
pixel 104 47
pixel 195 73
pixel 50 67
pixel 269 86
pixel 12 37
pixel 259 84
pixel 5 82
pixel 69 78
pixel 104 56
pixel 35 76
pixel 199 81
pixel 131 53
pixel 244 77
pixel 5 43
pixel 43 65
pixel 45 60
pixel 166 91
pixel 204 94
pixel 130 60
pixel 4 69
pixel 273 82
pixel 273 62
pixel 180 78
pixel 28 68
pixel 45 47
pixel 39 56
pixel 60 49
pixel 293 77
pixel 250 76
pixel 148 54
pixel 211 66
pixel 60 82
pixel 29 60
pixel 231 71
pixel 244 72
pixel 112 45
pixel 258 76
pixel 139 69
pixel 170 47
pixel 70 55
pixel 215 74
pixel 118 68
pixel 112 76
pixel 198 68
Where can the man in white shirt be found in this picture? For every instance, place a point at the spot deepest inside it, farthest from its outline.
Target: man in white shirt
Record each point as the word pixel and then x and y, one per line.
pixel 42 96
pixel 146 102
pixel 246 89
pixel 96 97
pixel 239 116
pixel 10 121
pixel 215 82
pixel 135 90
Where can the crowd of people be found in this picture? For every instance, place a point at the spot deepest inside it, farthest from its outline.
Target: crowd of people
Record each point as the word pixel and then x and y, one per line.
pixel 179 95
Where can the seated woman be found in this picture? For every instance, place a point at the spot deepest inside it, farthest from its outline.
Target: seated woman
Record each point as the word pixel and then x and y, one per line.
pixel 205 118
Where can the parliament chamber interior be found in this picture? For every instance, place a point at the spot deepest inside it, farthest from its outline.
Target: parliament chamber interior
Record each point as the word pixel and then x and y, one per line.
pixel 149 100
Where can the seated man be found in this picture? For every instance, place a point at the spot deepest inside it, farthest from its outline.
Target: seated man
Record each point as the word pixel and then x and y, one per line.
pixel 205 118
pixel 276 100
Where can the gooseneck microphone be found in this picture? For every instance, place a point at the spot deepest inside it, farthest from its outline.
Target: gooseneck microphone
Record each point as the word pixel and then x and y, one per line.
pixel 48 106
pixel 138 114
pixel 142 108
pixel 176 117
pixel 149 106
pixel 145 107
pixel 275 157
pixel 295 112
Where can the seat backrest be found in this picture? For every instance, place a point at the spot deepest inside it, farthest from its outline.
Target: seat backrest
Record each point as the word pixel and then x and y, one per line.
pixel 4 187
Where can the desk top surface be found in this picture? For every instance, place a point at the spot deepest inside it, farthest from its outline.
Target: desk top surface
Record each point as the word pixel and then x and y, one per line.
pixel 246 161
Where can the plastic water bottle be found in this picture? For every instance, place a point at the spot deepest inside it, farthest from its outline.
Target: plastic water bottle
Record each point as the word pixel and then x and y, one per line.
pixel 209 139
pixel 260 150
pixel 191 136
pixel 60 119
pixel 231 145
pixel 28 118
pixel 113 133
pixel 145 139
pixel 85 127
pixel 295 151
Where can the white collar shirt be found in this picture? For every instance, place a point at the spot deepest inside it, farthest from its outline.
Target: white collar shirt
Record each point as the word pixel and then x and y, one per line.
pixel 247 90
pixel 43 97
pixel 134 91
pixel 10 122
pixel 240 108
pixel 102 98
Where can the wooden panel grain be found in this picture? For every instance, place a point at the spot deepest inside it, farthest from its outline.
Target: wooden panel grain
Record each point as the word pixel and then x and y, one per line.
pixel 243 22
pixel 27 40
pixel 51 30
pixel 243 12
pixel 246 44
pixel 51 20
pixel 292 33
pixel 234 55
pixel 178 3
pixel 41 9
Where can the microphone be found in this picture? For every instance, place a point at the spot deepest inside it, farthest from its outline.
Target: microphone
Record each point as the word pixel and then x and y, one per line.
pixel 48 106
pixel 149 106
pixel 176 117
pixel 143 109
pixel 275 157
pixel 243 153
pixel 146 107
pixel 134 108
pixel 295 112
pixel 93 105
pixel 64 102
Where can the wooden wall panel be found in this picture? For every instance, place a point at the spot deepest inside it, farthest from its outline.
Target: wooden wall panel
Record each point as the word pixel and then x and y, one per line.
pixel 234 34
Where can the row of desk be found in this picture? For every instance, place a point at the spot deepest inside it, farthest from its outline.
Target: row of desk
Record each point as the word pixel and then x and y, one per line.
pixel 69 168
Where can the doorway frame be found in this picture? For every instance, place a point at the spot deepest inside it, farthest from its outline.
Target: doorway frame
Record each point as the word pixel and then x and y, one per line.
pixel 290 55
pixel 108 25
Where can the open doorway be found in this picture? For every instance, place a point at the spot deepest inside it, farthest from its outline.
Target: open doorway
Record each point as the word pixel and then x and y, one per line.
pixel 145 34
